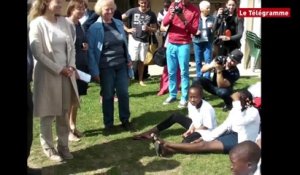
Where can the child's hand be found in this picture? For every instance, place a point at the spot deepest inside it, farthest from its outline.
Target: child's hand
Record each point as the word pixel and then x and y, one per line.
pixel 188 132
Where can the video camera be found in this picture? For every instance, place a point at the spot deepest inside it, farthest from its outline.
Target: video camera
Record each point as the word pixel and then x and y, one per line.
pixel 221 60
pixel 177 9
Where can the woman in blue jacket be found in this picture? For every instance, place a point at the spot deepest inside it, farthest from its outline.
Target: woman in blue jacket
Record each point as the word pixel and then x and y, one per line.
pixel 109 61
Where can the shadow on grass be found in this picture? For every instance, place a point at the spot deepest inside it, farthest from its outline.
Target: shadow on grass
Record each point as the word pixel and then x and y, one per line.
pixel 105 158
pixel 143 94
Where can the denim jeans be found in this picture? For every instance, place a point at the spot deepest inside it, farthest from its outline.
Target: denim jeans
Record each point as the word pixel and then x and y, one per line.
pixel 178 55
pixel 223 93
pixel 202 52
pixel 114 79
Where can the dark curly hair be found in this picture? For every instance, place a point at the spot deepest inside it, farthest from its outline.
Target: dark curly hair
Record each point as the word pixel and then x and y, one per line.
pixel 246 99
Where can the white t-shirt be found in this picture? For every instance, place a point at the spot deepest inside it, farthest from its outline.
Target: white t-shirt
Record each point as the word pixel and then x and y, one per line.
pixel 204 116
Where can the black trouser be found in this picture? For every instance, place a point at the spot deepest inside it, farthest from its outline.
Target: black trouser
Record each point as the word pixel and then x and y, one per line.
pixel 175 118
pixel 29 119
pixel 183 121
pixel 223 93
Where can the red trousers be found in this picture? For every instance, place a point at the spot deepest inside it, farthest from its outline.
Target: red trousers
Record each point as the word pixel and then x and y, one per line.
pixel 164 81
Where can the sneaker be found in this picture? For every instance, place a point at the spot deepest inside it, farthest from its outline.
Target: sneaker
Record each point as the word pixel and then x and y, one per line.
pixel 73 137
pixel 64 152
pixel 127 126
pixel 142 83
pixel 169 100
pixel 182 104
pixel 52 154
pixel 109 130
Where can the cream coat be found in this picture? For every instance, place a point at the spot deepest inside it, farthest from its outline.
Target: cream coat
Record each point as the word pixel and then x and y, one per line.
pixel 47 92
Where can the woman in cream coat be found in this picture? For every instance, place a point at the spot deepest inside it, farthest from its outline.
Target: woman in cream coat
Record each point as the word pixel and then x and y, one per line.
pixel 55 89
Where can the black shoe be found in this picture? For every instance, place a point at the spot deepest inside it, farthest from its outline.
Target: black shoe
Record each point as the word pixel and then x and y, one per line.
pixel 34 171
pixel 127 126
pixel 108 130
pixel 227 108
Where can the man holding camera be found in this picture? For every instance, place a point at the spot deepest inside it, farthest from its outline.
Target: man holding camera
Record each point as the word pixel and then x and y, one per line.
pixel 183 20
pixel 225 75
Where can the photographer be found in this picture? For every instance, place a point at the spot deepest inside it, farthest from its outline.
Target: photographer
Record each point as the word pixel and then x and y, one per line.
pixel 225 75
pixel 229 29
pixel 183 20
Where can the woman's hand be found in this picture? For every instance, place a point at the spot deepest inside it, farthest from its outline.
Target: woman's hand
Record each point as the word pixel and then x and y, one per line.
pixel 224 38
pixel 67 71
pixel 188 132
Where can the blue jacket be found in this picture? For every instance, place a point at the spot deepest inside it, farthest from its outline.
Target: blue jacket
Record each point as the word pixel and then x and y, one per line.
pixel 95 36
pixel 209 31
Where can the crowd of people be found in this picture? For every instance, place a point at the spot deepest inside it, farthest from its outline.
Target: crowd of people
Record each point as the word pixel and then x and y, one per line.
pixel 105 44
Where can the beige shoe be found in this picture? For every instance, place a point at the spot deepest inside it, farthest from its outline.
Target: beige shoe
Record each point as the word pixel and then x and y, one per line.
pixel 73 137
pixel 78 133
pixel 52 154
pixel 142 83
pixel 64 152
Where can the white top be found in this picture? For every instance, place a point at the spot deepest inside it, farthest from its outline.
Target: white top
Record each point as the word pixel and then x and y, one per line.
pixel 245 123
pixel 255 89
pixel 84 17
pixel 257 172
pixel 204 116
pixel 160 17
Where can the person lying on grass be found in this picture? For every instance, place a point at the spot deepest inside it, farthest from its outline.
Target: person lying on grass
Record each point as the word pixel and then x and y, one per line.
pixel 241 124
pixel 201 115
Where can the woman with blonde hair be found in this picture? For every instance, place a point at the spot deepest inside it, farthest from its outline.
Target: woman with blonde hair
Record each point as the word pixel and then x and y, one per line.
pixel 51 40
pixel 109 62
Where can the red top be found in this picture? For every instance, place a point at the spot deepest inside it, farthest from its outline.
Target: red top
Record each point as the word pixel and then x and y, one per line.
pixel 179 33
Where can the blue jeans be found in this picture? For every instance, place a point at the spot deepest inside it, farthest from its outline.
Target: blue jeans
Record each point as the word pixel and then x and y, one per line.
pixel 115 79
pixel 223 93
pixel 178 54
pixel 202 52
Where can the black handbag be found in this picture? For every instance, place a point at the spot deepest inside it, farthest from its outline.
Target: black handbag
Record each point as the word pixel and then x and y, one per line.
pixel 159 56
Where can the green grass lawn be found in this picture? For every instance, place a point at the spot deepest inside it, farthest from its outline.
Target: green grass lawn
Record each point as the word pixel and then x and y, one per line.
pixel 118 153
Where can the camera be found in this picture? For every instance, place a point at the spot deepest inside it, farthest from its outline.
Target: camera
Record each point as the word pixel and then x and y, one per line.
pixel 177 9
pixel 225 13
pixel 221 60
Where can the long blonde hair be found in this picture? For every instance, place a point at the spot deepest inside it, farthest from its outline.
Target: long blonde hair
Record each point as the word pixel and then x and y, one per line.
pixel 37 9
